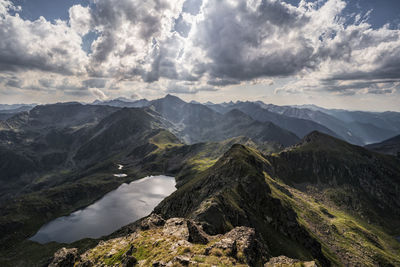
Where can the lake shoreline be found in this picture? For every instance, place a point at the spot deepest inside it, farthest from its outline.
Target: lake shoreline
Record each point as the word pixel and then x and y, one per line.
pixel 117 208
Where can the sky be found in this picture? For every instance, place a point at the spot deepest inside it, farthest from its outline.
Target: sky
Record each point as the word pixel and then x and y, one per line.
pixel 332 53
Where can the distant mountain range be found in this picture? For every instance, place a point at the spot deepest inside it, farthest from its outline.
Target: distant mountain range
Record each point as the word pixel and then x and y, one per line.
pixel 356 127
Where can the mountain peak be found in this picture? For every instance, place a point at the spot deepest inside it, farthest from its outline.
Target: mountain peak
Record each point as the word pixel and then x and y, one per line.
pixel 315 136
pixel 236 113
pixel 173 99
pixel 319 140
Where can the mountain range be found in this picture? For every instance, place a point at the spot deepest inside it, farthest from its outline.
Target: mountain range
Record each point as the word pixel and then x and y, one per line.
pixel 356 127
pixel 295 182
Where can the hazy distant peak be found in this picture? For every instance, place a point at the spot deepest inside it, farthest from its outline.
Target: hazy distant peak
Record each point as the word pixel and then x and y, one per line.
pixel 172 98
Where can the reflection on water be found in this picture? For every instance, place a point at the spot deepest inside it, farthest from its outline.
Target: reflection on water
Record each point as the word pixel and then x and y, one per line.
pixel 120 175
pixel 126 204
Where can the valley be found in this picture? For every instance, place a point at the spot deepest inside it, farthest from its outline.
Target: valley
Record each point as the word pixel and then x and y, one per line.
pixel 291 176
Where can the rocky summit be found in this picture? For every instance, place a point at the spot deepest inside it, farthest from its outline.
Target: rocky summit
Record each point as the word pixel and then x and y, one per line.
pixel 175 242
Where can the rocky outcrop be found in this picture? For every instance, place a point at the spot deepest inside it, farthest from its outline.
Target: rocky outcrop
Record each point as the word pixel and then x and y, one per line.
pixel 176 241
pixel 288 262
pixel 65 258
pixel 151 221
pixel 241 243
pixel 196 233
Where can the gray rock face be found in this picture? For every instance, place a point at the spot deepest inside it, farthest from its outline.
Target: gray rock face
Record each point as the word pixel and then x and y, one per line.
pixel 152 221
pixel 285 261
pixel 65 258
pixel 128 261
pixel 185 261
pixel 196 233
pixel 242 240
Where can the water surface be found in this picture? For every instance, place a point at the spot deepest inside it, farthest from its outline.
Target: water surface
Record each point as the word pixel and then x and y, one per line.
pixel 124 205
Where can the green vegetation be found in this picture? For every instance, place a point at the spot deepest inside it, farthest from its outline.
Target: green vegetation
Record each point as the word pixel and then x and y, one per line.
pixel 342 234
pixel 156 246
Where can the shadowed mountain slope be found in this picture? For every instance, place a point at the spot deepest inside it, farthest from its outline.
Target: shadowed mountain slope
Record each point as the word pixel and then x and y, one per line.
pixel 198 123
pixel 390 146
pixel 300 127
pixel 233 192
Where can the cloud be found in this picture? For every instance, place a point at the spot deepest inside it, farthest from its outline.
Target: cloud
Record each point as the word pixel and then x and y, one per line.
pixel 135 96
pixel 80 19
pixel 190 46
pixel 39 44
pixel 98 93
pixel 14 82
pixel 131 37
pixel 188 88
pixel 253 39
pixel 94 83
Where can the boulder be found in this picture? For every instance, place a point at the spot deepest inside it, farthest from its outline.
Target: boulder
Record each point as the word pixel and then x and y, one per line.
pixel 128 261
pixel 183 260
pixel 286 261
pixel 65 258
pixel 158 264
pixel 196 233
pixel 153 220
pixel 242 244
pixel 176 227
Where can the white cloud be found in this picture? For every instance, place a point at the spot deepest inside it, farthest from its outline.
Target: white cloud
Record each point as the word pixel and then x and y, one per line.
pixel 98 93
pixel 80 19
pixel 39 44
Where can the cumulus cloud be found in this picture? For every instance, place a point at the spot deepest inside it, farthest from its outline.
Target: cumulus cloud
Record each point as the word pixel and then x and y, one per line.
pixel 80 19
pixel 130 39
pixel 39 44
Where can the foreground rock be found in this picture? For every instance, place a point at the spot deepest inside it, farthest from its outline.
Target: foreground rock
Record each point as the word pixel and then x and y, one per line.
pixel 65 258
pixel 288 262
pixel 176 241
